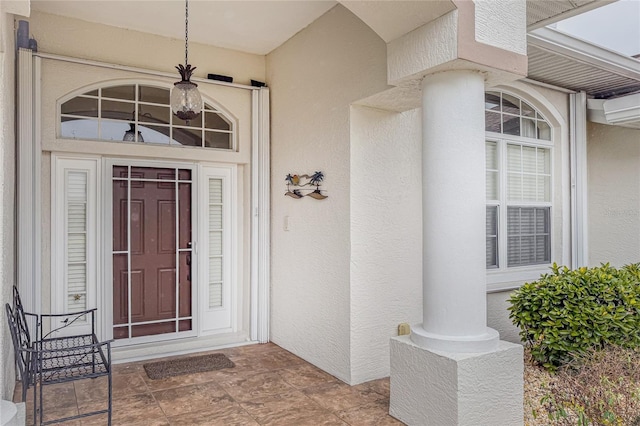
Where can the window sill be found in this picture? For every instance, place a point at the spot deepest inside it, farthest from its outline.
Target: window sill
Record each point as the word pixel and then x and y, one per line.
pixel 513 278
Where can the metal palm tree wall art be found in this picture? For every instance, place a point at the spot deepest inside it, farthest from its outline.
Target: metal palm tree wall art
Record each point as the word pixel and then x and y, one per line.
pixel 297 186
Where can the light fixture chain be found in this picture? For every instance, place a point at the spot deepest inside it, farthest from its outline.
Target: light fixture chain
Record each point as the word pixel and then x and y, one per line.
pixel 186 32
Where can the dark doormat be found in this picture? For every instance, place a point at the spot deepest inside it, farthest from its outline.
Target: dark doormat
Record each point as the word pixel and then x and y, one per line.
pixel 188 365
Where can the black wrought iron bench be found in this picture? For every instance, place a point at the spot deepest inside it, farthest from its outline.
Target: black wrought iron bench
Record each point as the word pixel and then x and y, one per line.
pixel 56 358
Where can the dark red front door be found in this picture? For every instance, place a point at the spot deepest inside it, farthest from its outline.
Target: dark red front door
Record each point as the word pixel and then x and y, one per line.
pixel 151 251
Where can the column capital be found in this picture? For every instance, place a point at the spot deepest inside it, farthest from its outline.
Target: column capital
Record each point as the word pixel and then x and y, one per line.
pixel 466 39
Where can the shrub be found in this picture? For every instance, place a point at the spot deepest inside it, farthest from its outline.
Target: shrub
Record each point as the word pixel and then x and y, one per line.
pixel 568 312
pixel 601 387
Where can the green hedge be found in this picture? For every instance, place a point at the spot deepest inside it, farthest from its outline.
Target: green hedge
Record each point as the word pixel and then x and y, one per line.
pixel 569 311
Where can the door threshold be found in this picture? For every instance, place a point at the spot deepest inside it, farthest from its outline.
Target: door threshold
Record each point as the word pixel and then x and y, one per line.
pixel 147 351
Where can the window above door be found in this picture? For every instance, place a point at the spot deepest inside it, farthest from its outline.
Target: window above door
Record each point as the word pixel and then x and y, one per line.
pixel 141 113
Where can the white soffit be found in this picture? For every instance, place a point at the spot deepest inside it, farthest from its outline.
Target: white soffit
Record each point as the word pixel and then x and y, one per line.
pixel 561 60
pixel 249 26
pixel 541 13
pixel 394 18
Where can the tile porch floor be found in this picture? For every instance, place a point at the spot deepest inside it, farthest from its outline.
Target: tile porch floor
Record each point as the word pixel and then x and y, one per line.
pixel 268 386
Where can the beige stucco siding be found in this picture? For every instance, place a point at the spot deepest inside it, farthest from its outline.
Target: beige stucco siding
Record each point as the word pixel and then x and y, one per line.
pixel 87 40
pixel 314 77
pixel 613 156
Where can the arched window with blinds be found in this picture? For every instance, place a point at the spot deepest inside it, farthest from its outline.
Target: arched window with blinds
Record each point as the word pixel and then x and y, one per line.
pixel 518 183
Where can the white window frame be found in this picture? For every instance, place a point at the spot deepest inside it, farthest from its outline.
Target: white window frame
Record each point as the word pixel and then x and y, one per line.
pixel 503 275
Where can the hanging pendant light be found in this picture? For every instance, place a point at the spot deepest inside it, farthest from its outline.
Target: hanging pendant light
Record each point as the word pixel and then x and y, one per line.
pixel 130 135
pixel 186 101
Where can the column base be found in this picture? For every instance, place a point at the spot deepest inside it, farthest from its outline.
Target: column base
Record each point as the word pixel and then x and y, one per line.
pixel 446 388
pixel 486 342
pixel 11 414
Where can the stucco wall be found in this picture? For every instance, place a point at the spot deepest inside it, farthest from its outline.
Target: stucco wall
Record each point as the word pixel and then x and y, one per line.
pixel 498 316
pixel 613 157
pixel 386 234
pixel 314 77
pixel 81 39
pixel 7 196
pixel 502 23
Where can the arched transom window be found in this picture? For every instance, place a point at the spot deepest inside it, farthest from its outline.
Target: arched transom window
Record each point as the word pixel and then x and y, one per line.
pixel 141 114
pixel 518 183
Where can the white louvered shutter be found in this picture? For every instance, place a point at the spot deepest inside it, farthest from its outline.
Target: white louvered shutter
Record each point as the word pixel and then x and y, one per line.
pixel 76 238
pixel 216 252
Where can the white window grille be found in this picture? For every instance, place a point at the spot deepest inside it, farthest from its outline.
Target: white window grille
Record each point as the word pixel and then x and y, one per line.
pixel 140 113
pixel 518 183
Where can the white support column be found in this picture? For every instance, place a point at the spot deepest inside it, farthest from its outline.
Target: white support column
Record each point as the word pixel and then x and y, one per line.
pixel 453 369
pixel 453 168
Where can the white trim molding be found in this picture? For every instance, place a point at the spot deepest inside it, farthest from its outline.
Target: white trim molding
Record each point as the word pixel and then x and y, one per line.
pixel 578 170
pixel 28 180
pixel 260 217
pixel 623 111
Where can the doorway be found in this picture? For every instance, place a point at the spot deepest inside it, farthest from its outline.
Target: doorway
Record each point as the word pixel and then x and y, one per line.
pixel 152 251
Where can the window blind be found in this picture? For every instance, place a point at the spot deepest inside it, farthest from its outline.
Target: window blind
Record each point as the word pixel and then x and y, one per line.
pixel 528 234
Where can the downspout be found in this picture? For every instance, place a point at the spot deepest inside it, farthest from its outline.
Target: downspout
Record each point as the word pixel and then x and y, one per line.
pixel 578 171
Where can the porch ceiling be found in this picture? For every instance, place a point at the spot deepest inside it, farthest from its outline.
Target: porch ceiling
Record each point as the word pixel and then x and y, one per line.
pixel 258 27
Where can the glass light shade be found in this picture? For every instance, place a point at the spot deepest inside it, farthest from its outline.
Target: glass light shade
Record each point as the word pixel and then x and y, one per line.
pixel 130 135
pixel 186 101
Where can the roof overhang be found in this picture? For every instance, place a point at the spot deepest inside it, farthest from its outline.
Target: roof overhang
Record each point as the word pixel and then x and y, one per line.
pixel 561 60
pixel 541 13
pixel 610 79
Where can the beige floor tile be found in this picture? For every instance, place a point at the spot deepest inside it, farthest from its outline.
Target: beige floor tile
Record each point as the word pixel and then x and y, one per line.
pixel 381 386
pixel 336 397
pixel 275 360
pixel 372 414
pixel 305 376
pixel 249 388
pixel 193 398
pixel 131 409
pixel 230 415
pixel 282 408
pixel 56 396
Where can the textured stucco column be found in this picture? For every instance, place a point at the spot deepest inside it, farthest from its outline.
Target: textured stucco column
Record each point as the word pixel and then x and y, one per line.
pixel 453 181
pixel 453 369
